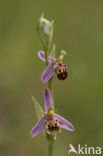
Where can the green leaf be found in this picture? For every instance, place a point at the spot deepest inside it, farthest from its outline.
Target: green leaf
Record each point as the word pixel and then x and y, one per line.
pixel 52 52
pixel 38 108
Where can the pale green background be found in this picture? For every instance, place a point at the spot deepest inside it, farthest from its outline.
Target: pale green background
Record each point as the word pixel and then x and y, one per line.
pixel 78 29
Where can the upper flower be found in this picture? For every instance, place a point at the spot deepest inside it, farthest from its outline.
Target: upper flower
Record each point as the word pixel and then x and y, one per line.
pixel 51 121
pixel 55 66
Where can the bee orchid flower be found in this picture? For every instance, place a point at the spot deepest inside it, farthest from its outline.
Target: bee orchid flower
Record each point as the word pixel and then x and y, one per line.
pixel 54 66
pixel 50 121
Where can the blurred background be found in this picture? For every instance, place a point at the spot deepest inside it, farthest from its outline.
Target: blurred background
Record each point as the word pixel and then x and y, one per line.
pixel 78 29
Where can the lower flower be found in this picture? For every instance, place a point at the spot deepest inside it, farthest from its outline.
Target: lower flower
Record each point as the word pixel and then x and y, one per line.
pixel 51 121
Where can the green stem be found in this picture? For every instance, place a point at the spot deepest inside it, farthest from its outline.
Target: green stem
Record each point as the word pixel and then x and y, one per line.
pixel 46 56
pixel 51 146
pixel 50 86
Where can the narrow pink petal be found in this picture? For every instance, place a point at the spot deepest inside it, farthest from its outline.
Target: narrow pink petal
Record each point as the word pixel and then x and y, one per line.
pixel 64 123
pixel 41 55
pixel 47 99
pixel 48 72
pixel 38 127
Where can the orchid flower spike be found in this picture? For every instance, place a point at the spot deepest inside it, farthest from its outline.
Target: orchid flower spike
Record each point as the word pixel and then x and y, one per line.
pixel 55 66
pixel 51 122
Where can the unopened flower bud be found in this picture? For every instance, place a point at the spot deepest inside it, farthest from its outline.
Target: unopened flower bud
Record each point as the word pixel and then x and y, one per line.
pixel 44 24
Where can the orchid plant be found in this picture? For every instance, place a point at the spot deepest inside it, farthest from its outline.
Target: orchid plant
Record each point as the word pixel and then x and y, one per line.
pixel 49 121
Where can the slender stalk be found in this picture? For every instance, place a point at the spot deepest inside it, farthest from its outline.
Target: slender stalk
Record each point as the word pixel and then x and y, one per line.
pixel 50 85
pixel 46 56
pixel 51 146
